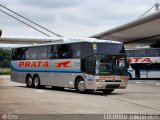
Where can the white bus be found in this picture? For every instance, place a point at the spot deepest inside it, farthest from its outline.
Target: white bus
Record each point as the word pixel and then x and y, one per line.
pixel 144 62
pixel 96 65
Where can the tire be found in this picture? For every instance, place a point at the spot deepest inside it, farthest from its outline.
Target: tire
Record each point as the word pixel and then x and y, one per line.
pixel 129 76
pixel 107 91
pixel 80 85
pixel 29 81
pixel 36 81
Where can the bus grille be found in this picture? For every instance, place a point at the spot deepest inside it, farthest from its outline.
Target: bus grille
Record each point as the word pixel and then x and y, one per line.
pixel 113 81
pixel 112 86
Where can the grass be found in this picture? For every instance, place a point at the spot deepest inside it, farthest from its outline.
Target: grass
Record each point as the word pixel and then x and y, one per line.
pixel 4 71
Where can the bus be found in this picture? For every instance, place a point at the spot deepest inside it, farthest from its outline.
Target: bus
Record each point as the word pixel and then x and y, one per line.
pixel 84 65
pixel 144 62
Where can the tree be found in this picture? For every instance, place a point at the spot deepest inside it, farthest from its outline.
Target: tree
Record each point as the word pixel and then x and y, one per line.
pixel 5 58
pixel 5 63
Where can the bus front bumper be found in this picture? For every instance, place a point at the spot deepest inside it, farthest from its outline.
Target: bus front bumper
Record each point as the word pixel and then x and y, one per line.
pixel 106 82
pixel 109 84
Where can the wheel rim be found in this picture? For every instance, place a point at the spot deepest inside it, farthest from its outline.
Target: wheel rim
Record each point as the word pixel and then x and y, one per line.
pixel 81 86
pixel 30 81
pixel 36 81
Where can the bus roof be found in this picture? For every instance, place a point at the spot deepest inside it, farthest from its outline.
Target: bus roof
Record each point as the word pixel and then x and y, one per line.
pixel 71 40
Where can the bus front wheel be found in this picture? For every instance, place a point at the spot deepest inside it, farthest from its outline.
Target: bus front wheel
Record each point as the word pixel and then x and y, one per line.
pixel 29 81
pixel 80 85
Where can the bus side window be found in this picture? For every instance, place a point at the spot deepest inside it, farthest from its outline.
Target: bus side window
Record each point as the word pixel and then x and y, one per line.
pixel 19 54
pixel 75 51
pixel 129 53
pixel 24 53
pixel 52 52
pixel 64 51
pixel 33 53
pixel 140 53
pixel 14 53
pixel 153 53
pixel 27 54
pixel 42 52
pixel 86 49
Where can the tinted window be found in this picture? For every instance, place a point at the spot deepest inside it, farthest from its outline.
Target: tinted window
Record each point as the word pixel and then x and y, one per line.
pixel 52 52
pixel 153 53
pixel 14 54
pixel 33 53
pixel 129 53
pixel 145 66
pixel 140 53
pixel 75 50
pixel 19 54
pixel 108 48
pixel 64 51
pixel 42 52
pixel 60 51
pixel 87 49
pixel 153 66
pixel 27 54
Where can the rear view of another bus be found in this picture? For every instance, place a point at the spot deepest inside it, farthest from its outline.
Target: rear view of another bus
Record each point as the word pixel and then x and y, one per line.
pixel 144 63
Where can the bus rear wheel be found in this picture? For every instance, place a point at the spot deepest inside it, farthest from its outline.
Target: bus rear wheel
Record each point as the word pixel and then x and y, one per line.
pixel 80 85
pixel 29 81
pixel 107 91
pixel 36 81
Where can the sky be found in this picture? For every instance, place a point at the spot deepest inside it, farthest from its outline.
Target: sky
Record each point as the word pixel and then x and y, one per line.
pixel 71 18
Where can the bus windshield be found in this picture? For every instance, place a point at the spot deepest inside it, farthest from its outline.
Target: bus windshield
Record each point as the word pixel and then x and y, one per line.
pixel 111 65
pixel 110 48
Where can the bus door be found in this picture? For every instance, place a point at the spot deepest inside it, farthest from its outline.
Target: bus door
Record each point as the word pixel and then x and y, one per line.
pixel 137 73
pixel 137 70
pixel 143 71
pixel 140 70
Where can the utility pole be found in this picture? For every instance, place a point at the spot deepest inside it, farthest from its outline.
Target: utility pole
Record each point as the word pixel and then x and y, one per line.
pixel 157 6
pixel 0 33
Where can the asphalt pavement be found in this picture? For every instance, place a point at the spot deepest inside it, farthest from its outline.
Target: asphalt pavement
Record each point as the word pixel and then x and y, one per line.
pixel 140 97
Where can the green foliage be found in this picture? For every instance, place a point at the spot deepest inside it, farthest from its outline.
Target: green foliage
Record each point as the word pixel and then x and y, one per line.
pixel 4 58
pixel 4 72
pixel 5 63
